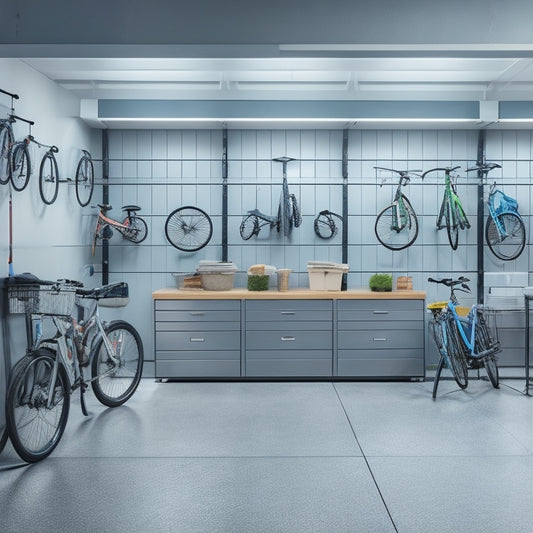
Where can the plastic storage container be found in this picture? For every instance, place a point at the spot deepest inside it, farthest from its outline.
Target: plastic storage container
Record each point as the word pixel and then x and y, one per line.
pixel 325 276
pixel 217 275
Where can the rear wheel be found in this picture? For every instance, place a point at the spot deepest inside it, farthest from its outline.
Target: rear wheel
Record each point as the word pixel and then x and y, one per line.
pixel 84 181
pixel 510 245
pixel 492 370
pixel 115 382
pixel 137 229
pixel 6 142
pixel 188 228
pixel 37 406
pixel 48 179
pixel 248 227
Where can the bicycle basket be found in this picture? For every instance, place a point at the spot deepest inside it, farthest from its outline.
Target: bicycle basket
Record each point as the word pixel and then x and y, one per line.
pixel 503 203
pixel 114 295
pixel 41 299
pixel 437 307
pixel 487 316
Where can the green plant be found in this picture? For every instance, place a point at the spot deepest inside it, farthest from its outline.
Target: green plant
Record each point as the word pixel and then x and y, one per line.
pixel 380 283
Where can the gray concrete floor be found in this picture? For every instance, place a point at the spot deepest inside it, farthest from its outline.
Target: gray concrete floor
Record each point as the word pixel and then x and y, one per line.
pixel 284 457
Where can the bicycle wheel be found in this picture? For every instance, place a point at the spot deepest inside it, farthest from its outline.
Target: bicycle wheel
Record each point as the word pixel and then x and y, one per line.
pixel 114 383
pixel 20 166
pixel 388 232
pixel 295 211
pixel 284 212
pixel 84 181
pixel 188 228
pixel 456 354
pixel 35 427
pixel 492 370
pixel 249 227
pixel 137 229
pixel 325 226
pixel 510 245
pixel 48 179
pixel 452 228
pixel 6 142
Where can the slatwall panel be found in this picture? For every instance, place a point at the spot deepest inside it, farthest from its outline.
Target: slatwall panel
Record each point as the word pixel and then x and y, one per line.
pixel 163 170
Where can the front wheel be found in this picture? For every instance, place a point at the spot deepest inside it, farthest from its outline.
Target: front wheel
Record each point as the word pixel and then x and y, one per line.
pixel 48 179
pixel 396 230
pixel 21 167
pixel 452 227
pixel 137 229
pixel 37 406
pixel 249 227
pixel 455 353
pixel 510 243
pixel 492 370
pixel 6 143
pixel 116 378
pixel 84 181
pixel 188 228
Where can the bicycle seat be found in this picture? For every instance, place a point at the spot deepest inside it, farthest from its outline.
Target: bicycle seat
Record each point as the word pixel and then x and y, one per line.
pixel 105 207
pixel 131 208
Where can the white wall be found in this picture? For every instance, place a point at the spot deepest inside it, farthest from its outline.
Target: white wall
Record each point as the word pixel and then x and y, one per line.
pixel 49 241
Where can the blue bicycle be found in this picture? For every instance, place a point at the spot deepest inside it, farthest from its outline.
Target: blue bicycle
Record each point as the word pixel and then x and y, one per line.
pixel 464 336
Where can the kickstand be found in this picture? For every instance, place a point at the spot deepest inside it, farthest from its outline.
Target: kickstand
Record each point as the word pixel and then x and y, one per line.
pixel 83 388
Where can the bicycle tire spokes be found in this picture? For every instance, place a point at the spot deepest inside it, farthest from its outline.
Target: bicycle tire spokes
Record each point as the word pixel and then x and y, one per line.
pixel 188 228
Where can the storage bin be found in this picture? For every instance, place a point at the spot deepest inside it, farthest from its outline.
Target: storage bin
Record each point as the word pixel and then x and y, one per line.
pixel 325 280
pixel 218 281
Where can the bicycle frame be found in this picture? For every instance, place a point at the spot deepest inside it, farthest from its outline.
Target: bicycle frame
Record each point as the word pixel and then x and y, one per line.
pixel 496 214
pixel 401 217
pixel 106 221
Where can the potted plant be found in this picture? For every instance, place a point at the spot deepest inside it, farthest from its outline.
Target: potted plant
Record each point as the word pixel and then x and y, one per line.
pixel 380 283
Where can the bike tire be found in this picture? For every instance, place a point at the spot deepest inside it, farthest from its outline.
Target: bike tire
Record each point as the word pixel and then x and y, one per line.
pixel 440 366
pixel 456 356
pixel 452 228
pixel 34 428
pixel 511 246
pixel 295 211
pixel 396 239
pixel 188 228
pixel 48 179
pixel 325 226
pixel 249 227
pixel 20 166
pixel 284 212
pixel 489 362
pixel 119 385
pixel 6 143
pixel 137 229
pixel 84 181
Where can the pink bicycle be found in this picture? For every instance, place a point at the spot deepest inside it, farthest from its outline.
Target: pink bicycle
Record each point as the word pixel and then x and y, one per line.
pixel 133 227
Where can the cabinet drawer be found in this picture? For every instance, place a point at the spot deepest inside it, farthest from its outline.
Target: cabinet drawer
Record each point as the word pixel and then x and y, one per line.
pixel 288 310
pixel 397 325
pixel 197 368
pixel 198 315
pixel 379 310
pixel 197 340
pixel 381 367
pixel 289 340
pixel 198 355
pixel 197 326
pixel 294 363
pixel 197 305
pixel 379 339
pixel 279 325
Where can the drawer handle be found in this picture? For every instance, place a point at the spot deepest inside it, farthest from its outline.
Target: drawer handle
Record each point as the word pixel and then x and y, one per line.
pixel 197 313
pixel 288 312
pixel 198 339
pixel 382 339
pixel 380 312
pixel 288 338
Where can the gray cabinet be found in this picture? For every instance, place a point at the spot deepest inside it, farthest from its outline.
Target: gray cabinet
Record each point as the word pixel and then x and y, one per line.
pixel 380 338
pixel 285 337
pixel 197 338
pixel 511 334
pixel 288 338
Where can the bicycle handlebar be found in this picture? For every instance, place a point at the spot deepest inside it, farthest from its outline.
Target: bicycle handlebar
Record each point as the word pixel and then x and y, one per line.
pixel 448 170
pixel 449 282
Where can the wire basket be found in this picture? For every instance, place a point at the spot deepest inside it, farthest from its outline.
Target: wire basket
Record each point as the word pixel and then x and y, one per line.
pixel 487 316
pixel 41 299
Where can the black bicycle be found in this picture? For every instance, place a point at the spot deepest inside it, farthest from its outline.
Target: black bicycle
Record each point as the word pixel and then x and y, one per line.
pixel 288 212
pixel 325 226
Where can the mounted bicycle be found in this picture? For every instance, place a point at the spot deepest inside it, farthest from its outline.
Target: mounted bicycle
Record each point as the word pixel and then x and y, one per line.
pixel 84 180
pixel 505 230
pixel 38 397
pixel 324 224
pixel 397 225
pixel 288 212
pixel 133 228
pixel 465 337
pixel 451 215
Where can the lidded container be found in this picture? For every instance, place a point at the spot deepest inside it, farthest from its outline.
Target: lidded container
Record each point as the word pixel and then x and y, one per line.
pixel 217 275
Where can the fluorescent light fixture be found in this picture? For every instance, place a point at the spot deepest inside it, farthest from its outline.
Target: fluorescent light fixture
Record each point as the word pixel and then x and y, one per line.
pixel 518 120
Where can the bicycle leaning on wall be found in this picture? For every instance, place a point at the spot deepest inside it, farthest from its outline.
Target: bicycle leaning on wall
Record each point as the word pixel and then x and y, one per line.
pixel 38 397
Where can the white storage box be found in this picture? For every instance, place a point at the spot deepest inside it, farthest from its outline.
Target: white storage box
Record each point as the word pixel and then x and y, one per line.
pixel 325 280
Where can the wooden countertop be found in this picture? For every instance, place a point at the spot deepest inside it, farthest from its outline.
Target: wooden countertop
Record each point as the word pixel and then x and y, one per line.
pixel 292 294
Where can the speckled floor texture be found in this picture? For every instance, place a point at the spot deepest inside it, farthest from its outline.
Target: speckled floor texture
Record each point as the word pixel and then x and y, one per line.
pixel 284 457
